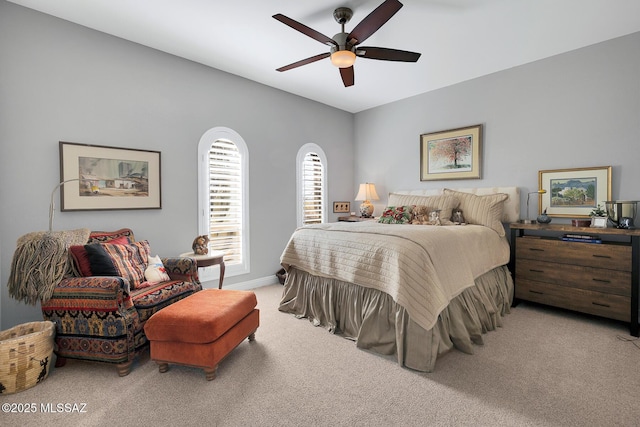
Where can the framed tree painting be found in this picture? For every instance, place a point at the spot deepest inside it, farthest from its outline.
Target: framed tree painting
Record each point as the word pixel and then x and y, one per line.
pixel 97 177
pixel 451 154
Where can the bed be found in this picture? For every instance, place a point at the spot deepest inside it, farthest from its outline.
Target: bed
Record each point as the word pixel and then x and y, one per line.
pixel 410 290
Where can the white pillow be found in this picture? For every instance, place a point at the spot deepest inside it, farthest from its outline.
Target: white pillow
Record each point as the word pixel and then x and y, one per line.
pixel 155 272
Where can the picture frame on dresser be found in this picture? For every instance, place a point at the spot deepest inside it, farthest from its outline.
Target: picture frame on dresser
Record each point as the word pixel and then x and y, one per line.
pixel 573 193
pixel 99 177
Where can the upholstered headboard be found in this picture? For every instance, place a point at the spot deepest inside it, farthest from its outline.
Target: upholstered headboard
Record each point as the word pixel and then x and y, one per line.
pixel 511 205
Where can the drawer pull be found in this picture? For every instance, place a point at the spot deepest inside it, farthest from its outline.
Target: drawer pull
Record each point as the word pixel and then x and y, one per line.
pixel 601 280
pixel 536 249
pixel 537 292
pixel 536 271
pixel 601 256
pixel 601 305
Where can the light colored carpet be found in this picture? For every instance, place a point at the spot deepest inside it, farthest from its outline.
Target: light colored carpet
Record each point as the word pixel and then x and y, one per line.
pixel 543 368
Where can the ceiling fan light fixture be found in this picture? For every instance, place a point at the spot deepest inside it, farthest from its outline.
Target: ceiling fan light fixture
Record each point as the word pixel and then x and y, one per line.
pixel 343 58
pixel 344 47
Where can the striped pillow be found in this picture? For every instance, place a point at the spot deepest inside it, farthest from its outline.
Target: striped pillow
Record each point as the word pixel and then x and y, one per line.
pixel 482 210
pixel 130 260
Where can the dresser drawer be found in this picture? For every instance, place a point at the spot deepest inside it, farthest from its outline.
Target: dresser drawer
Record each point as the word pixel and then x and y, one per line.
pixel 588 278
pixel 598 303
pixel 609 256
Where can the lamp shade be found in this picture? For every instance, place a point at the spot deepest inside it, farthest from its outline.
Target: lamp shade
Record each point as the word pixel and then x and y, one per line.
pixel 367 191
pixel 343 58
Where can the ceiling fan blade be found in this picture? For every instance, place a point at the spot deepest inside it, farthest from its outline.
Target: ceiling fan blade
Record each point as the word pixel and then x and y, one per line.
pixel 304 62
pixel 385 54
pixel 305 30
pixel 372 22
pixel 347 76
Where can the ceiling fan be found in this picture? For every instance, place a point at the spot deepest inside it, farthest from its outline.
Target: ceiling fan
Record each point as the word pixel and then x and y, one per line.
pixel 345 47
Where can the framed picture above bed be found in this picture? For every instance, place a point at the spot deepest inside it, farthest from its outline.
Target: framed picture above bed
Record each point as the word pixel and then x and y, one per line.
pixel 451 154
pixel 573 193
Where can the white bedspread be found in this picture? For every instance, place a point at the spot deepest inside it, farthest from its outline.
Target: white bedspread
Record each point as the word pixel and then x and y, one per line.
pixel 421 267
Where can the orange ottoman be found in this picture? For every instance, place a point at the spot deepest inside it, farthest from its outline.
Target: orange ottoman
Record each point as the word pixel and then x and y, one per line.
pixel 202 329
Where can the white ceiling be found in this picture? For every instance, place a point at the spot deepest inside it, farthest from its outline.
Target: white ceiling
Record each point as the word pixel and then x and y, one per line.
pixel 459 39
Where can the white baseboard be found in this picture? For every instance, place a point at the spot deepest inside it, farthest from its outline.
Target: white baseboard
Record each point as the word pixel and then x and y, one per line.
pixel 243 286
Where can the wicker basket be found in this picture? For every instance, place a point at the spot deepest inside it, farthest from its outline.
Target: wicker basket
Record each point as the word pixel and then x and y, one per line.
pixel 25 355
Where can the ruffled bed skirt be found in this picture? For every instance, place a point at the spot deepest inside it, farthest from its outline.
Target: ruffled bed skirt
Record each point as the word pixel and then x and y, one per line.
pixel 377 323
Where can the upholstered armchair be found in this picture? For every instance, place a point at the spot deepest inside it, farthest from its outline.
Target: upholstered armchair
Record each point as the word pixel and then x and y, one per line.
pixel 101 318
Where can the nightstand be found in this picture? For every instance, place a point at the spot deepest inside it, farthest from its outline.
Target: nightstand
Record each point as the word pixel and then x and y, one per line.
pixel 354 218
pixel 595 278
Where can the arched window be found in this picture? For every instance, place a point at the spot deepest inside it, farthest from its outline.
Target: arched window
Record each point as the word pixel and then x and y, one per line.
pixel 312 185
pixel 223 202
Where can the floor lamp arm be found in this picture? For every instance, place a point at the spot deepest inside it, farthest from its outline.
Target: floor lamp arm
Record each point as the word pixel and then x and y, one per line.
pixel 52 206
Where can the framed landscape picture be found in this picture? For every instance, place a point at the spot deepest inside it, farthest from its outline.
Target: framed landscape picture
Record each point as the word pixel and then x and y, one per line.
pixel 573 193
pixel 101 178
pixel 451 154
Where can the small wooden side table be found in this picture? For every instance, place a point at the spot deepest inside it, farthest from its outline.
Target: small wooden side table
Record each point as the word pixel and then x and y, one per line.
pixel 207 260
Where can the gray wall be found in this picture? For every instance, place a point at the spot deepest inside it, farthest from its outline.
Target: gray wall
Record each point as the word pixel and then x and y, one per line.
pixel 59 81
pixel 63 82
pixel 579 109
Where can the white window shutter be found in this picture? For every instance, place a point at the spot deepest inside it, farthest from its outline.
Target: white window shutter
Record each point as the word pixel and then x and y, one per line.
pixel 312 189
pixel 225 200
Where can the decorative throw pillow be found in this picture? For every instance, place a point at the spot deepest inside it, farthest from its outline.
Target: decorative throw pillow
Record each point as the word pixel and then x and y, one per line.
pixel 100 263
pixel 445 203
pixel 129 260
pixel 81 258
pixel 483 210
pixel 126 261
pixel 155 272
pixel 396 215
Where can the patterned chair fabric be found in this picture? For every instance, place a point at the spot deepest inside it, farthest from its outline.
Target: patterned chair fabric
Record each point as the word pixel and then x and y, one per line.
pixel 101 319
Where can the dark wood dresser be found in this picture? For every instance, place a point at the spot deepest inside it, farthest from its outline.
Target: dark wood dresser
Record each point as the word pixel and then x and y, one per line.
pixel 596 278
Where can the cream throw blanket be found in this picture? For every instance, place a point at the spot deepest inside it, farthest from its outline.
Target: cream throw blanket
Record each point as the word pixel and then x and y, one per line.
pixel 421 267
pixel 40 261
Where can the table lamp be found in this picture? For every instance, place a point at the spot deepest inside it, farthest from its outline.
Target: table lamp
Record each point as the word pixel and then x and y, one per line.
pixel 532 221
pixel 366 193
